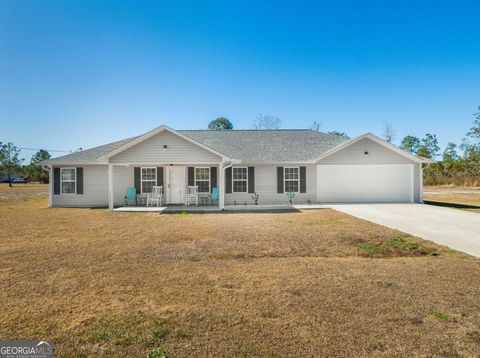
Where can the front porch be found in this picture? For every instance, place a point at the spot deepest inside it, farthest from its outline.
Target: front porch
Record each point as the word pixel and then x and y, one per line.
pixel 174 182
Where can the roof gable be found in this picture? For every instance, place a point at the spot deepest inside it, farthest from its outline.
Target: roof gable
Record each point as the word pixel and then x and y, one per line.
pixel 165 148
pixel 375 139
pixel 152 133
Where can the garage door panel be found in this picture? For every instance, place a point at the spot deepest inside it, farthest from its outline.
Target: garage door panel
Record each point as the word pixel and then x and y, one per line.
pixel 365 183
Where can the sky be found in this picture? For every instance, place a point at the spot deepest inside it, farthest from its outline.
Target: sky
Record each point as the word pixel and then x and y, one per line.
pixel 84 73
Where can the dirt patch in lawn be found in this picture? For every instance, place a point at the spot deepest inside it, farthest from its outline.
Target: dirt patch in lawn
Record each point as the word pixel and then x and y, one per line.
pixel 312 283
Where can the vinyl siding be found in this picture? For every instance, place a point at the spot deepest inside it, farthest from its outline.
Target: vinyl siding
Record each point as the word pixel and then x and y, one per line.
pixel 178 150
pixel 95 189
pixel 377 154
pixel 266 186
pixel 355 154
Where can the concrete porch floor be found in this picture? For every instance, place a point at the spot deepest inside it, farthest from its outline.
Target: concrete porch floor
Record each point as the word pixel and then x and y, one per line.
pixel 167 209
pixel 214 208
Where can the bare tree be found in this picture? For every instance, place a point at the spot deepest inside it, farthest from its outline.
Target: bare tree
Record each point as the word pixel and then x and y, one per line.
pixel 316 126
pixel 339 134
pixel 267 121
pixel 388 132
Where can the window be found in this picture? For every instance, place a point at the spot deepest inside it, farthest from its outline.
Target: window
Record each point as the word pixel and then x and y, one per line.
pixel 68 178
pixel 239 178
pixel 202 179
pixel 291 178
pixel 149 179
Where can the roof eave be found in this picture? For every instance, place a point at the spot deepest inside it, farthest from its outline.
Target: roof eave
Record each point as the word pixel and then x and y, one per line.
pixel 427 160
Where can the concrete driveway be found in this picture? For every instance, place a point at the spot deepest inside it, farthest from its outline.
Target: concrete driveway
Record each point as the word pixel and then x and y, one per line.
pixel 457 229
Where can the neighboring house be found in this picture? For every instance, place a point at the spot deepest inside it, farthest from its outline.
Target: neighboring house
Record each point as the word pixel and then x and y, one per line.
pixel 318 167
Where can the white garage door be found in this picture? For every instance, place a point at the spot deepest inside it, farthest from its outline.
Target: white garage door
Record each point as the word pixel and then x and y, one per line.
pixel 365 183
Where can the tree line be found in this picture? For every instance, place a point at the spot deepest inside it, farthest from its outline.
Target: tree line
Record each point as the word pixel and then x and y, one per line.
pixel 457 164
pixel 11 164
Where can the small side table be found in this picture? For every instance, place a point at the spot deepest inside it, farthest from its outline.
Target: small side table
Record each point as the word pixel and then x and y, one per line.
pixel 141 199
pixel 203 199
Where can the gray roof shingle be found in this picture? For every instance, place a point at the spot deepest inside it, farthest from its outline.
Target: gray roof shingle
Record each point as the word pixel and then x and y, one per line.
pixel 88 156
pixel 264 146
pixel 249 146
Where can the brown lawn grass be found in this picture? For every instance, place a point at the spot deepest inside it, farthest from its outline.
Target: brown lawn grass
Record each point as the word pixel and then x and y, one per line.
pixel 312 283
pixel 465 198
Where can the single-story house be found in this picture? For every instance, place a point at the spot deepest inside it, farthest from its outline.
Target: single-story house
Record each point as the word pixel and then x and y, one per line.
pixel 317 167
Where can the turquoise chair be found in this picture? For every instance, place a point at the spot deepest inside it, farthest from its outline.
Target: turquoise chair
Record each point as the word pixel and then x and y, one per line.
pixel 131 196
pixel 215 195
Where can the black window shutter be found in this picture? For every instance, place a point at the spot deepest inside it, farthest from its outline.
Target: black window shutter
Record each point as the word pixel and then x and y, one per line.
pixel 279 180
pixel 213 177
pixel 56 180
pixel 191 176
pixel 251 179
pixel 137 179
pixel 303 179
pixel 79 180
pixel 160 176
pixel 228 180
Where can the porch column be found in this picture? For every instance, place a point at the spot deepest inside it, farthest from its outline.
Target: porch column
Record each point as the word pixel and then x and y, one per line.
pixel 221 199
pixel 110 187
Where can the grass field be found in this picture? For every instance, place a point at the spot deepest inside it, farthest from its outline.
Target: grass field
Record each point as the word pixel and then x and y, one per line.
pixel 312 283
pixel 465 198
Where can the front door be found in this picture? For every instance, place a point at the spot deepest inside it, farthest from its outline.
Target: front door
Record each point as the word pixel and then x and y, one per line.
pixel 175 185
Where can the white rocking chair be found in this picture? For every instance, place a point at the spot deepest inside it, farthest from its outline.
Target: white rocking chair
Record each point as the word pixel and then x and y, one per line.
pixel 155 197
pixel 192 195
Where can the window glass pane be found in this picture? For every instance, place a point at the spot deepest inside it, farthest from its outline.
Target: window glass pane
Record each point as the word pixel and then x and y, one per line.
pixel 68 187
pixel 291 185
pixel 203 186
pixel 240 186
pixel 240 173
pixel 291 173
pixel 68 174
pixel 149 173
pixel 147 186
pixel 202 173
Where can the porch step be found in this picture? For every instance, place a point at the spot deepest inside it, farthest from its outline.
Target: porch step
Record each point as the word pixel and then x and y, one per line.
pixel 155 209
